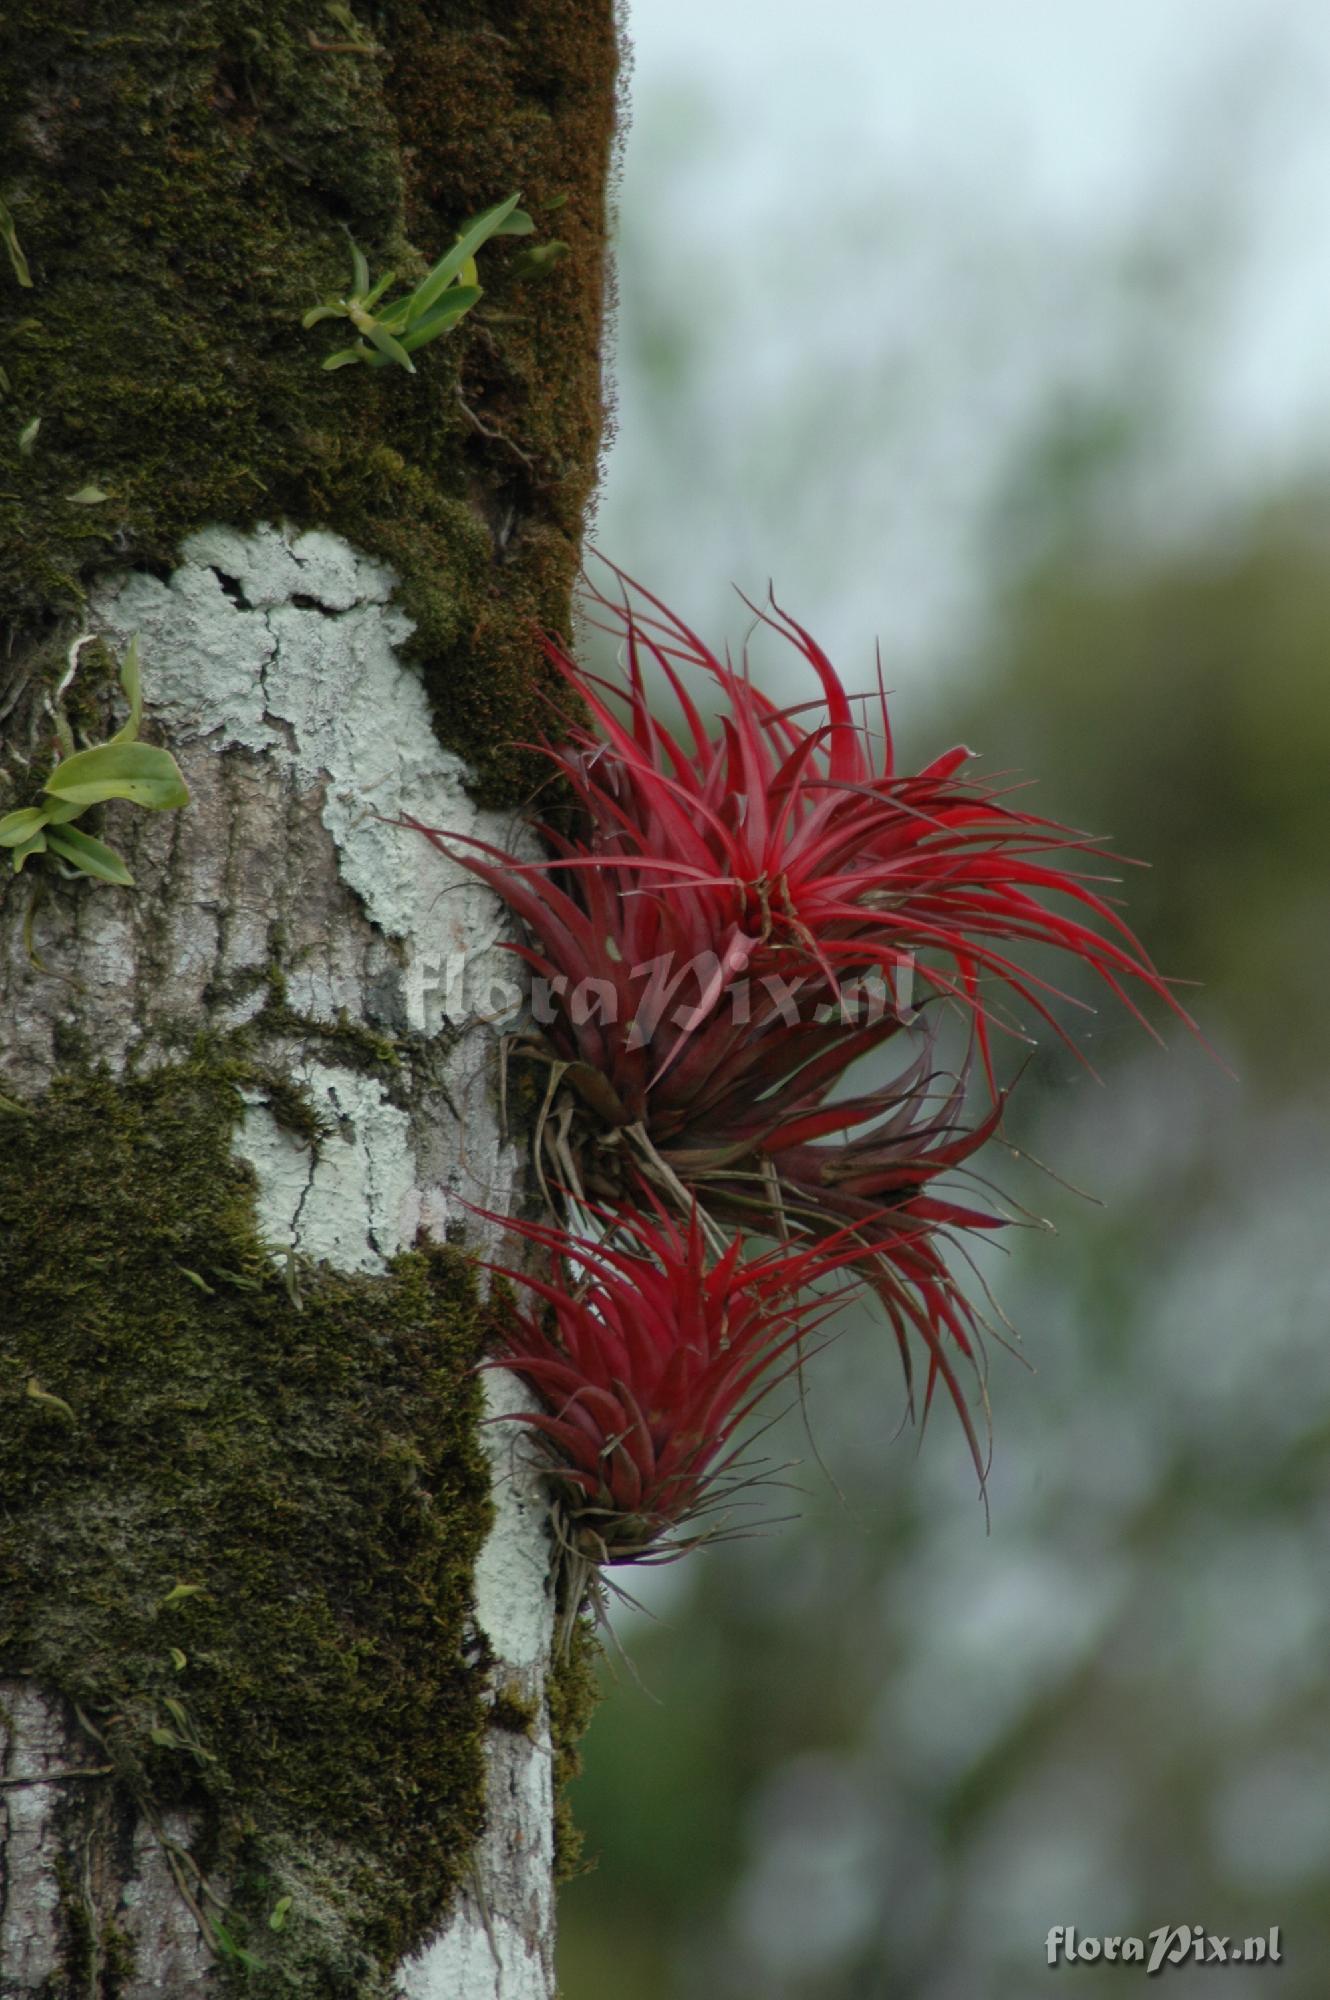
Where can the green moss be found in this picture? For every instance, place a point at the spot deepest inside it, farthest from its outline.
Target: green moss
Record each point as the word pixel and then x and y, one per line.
pixel 314 1472
pixel 513 1711
pixel 117 1962
pixel 343 1040
pixel 574 1692
pixel 91 1961
pixel 291 1104
pixel 77 1948
pixel 179 180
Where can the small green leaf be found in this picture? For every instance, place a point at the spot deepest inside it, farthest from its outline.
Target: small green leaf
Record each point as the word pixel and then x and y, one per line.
pixel 179 1660
pixel 388 345
pixel 236 1278
pixel 454 299
pixel 26 850
pixel 345 356
pixel 134 771
pixel 17 827
pixel 87 496
pixel 27 437
pixel 228 1949
pixel 445 315
pixel 55 1404
pixel 279 1911
pixel 316 313
pixel 178 1593
pixel 434 285
pixel 359 270
pixel 9 237
pixel 291 1278
pixel 555 201
pixel 392 319
pixel 195 1279
pixel 94 857
pixel 131 681
pixel 372 297
pixel 165 1739
pixel 60 811
pixel 534 263
pixel 519 223
pixel 473 236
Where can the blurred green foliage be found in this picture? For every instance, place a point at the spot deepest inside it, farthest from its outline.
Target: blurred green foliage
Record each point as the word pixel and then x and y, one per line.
pixel 883 1753
pixel 1182 707
pixel 1113 1712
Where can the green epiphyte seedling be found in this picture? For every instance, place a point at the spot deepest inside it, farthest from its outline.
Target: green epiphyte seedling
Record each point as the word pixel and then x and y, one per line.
pixel 120 768
pixel 393 332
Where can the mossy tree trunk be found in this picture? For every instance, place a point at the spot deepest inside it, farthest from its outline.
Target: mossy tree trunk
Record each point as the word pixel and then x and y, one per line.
pixel 275 1604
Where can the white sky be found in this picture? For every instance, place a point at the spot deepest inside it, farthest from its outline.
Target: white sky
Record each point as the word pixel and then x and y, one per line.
pixel 975 146
pixel 872 216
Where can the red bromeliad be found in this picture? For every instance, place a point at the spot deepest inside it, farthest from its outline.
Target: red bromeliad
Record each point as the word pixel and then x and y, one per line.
pixel 651 1362
pixel 807 851
pixel 723 939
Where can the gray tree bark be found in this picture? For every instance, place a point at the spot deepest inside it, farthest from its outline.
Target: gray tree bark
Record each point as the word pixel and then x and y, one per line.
pixel 276 1600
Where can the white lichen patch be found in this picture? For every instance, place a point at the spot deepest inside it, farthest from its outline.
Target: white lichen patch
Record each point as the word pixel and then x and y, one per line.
pixel 285 645
pixel 512 1603
pixel 477 1961
pixel 350 1201
pixel 501 1953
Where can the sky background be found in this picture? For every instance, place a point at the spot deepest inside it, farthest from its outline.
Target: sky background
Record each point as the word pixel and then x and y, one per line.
pixel 996 332
pixel 889 239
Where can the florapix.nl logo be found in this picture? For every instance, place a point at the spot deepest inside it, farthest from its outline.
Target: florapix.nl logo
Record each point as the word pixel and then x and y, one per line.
pixel 1169 1945
pixel 669 992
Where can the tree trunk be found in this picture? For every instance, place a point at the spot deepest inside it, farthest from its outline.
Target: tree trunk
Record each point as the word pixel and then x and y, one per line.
pixel 275 1602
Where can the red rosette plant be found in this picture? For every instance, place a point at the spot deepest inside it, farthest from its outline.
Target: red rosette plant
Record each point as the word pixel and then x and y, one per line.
pixel 647 1362
pixel 725 935
pixel 808 850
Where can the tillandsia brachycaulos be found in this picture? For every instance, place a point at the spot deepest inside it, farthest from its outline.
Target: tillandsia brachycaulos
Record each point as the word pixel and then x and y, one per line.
pixel 727 932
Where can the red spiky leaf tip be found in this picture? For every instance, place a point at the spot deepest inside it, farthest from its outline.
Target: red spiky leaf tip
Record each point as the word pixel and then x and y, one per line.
pixel 647 1363
pixel 805 848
